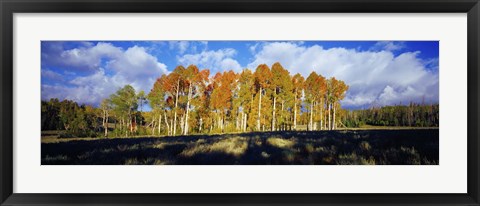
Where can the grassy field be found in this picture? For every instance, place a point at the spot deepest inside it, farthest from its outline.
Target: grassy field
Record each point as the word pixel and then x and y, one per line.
pixel 347 147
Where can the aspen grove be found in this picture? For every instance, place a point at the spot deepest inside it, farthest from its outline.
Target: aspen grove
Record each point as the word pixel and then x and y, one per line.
pixel 189 101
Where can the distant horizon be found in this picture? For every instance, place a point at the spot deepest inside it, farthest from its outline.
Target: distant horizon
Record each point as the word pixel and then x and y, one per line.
pixel 382 73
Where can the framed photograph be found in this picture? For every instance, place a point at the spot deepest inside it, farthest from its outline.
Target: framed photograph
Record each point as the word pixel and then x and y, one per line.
pixel 201 102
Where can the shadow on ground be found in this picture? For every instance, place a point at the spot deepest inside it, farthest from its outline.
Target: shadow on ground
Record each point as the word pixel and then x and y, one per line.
pixel 372 147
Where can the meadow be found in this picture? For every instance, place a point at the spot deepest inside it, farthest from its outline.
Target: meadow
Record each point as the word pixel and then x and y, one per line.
pixel 368 146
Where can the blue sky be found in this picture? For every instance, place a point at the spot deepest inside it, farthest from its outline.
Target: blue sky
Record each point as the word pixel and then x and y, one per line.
pixel 379 73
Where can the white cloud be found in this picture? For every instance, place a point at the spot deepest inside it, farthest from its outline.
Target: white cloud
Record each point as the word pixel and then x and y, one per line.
pixel 217 61
pixel 390 94
pixel 181 46
pixel 49 74
pixel 388 45
pixel 91 89
pixel 80 94
pixel 111 71
pixel 135 66
pixel 230 64
pixel 374 77
pixel 253 48
pixel 87 59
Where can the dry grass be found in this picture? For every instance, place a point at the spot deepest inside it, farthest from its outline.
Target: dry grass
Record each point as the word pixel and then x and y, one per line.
pixel 370 127
pixel 280 143
pixel 361 147
pixel 364 145
pixel 309 148
pixel 147 161
pixel 160 145
pixel 55 139
pixel 265 155
pixel 235 146
pixel 257 141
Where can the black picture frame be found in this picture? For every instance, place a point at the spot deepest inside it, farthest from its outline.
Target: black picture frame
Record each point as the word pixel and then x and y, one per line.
pixel 10 7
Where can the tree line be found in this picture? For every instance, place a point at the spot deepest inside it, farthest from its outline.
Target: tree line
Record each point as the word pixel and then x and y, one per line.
pixel 189 100
pixel 412 115
pixel 77 120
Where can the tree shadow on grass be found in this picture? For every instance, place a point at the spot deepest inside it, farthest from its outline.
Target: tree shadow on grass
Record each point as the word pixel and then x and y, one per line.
pixel 391 147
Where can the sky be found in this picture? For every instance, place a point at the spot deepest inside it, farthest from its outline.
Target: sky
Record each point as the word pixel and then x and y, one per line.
pixel 379 73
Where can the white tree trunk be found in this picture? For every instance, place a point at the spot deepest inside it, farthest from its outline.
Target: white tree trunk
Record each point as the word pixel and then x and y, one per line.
pixel 176 104
pixel 310 123
pixel 259 109
pixel 321 114
pixel 219 121
pixel 174 122
pixel 295 112
pixel 106 124
pixel 329 116
pixel 333 125
pixel 245 123
pixel 188 109
pixel 241 120
pixel 182 123
pixel 315 116
pixel 166 123
pixel 273 113
pixel 103 119
pixel 281 115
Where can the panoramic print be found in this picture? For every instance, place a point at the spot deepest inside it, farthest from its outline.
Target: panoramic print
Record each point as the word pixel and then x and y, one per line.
pixel 239 103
